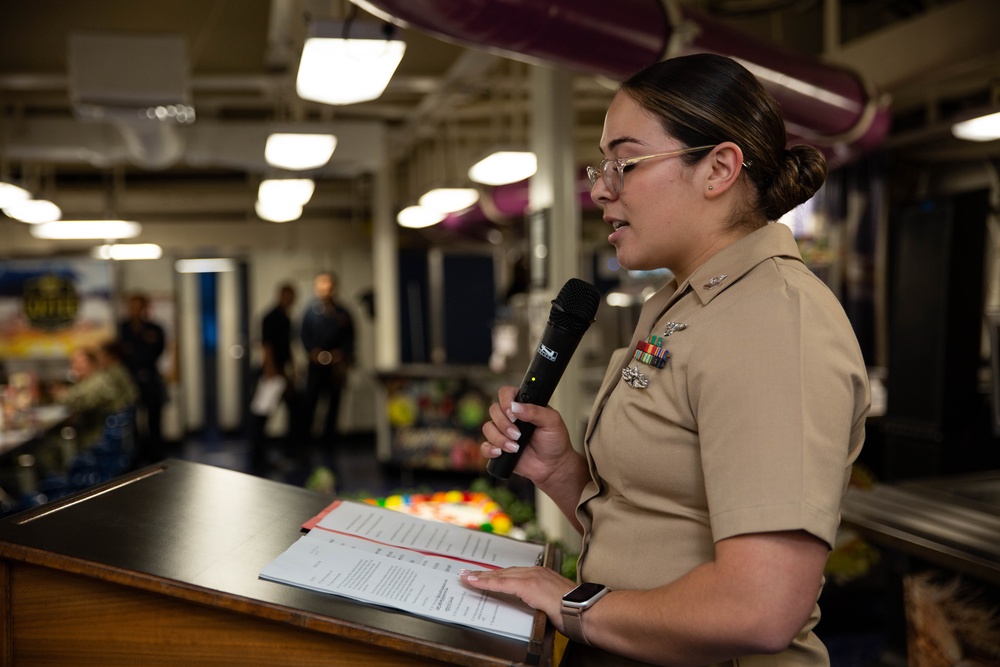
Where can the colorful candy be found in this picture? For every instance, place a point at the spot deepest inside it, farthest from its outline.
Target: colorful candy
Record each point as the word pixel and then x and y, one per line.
pixel 462 508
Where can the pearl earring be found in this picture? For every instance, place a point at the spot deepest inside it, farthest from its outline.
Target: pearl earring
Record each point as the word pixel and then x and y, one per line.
pixel 711 187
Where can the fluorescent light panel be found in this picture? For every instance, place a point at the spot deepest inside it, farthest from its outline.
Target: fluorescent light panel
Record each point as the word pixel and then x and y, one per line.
pixel 297 191
pixel 504 167
pixel 33 211
pixel 418 217
pixel 334 70
pixel 982 128
pixel 299 151
pixel 277 211
pixel 127 251
pixel 11 194
pixel 86 229
pixel 205 265
pixel 449 200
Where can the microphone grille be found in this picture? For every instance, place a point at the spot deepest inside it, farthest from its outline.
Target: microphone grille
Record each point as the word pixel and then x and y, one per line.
pixel 575 307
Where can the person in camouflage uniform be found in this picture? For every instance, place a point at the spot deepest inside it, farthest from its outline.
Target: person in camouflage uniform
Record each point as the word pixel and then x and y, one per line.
pixel 97 393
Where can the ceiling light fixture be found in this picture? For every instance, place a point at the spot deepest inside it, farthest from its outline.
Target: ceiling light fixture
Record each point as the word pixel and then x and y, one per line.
pixel 299 151
pixel 449 200
pixel 278 211
pixel 11 194
pixel 205 265
pixel 33 211
pixel 418 217
pixel 345 62
pixel 503 167
pixel 985 126
pixel 127 251
pixel 289 191
pixel 86 229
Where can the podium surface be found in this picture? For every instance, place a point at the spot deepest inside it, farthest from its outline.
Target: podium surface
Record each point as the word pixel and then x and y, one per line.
pixel 160 568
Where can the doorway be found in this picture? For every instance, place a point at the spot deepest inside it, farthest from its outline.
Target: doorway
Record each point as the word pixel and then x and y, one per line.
pixel 212 302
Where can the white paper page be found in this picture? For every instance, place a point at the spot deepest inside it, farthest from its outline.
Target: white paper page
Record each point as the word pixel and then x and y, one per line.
pixel 363 570
pixel 478 549
pixel 391 552
pixel 268 395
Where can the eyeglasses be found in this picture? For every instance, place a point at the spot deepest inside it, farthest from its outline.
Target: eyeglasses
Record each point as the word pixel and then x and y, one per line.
pixel 612 170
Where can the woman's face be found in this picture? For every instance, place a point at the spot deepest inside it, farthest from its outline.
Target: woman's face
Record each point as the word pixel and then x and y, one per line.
pixel 655 217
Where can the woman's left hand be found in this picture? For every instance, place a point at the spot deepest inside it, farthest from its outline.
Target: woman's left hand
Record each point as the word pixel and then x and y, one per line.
pixel 538 587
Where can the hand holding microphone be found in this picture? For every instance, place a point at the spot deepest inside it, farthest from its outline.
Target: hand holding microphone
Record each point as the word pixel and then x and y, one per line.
pixel 572 313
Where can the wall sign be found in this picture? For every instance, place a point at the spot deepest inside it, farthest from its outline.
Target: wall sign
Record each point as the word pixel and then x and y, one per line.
pixel 50 306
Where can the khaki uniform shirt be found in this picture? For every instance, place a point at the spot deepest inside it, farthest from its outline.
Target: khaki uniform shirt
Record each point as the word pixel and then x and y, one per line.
pixel 751 426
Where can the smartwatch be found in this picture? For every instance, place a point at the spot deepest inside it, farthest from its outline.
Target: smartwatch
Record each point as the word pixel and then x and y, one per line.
pixel 577 601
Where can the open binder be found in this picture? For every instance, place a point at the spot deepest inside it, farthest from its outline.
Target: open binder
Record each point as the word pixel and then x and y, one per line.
pixel 384 557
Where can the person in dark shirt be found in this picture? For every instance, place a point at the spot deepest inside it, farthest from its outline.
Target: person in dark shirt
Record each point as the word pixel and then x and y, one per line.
pixel 142 343
pixel 276 361
pixel 328 338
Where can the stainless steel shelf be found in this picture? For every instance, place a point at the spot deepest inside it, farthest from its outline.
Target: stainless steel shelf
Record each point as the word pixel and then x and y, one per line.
pixel 954 523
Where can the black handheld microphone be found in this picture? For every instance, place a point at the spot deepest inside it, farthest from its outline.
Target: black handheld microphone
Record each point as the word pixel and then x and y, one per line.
pixel 572 312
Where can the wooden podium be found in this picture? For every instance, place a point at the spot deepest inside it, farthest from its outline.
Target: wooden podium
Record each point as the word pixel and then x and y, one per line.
pixel 160 568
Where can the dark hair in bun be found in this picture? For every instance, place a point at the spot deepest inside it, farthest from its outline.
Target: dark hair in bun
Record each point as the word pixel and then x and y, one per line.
pixel 705 99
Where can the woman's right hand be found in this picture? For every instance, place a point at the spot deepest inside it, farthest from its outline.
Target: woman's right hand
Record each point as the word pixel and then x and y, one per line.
pixel 549 444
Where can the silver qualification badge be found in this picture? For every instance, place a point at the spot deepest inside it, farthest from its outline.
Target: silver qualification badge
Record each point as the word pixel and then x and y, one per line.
pixel 634 378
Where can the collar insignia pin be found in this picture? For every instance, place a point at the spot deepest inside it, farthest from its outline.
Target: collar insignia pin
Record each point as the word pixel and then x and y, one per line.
pixel 715 281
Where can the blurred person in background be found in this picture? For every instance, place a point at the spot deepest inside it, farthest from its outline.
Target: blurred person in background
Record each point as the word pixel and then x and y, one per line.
pixel 142 344
pixel 328 338
pixel 94 394
pixel 109 359
pixel 277 362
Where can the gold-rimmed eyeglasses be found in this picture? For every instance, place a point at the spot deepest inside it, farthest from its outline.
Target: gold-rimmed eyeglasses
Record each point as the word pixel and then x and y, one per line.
pixel 612 170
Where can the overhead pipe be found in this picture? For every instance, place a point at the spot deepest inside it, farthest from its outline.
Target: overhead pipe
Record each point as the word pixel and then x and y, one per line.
pixel 830 107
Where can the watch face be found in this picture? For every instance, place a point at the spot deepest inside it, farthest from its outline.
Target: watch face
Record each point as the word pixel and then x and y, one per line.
pixel 583 592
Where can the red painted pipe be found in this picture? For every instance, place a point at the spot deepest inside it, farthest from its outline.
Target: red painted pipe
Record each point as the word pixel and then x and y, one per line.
pixel 823 105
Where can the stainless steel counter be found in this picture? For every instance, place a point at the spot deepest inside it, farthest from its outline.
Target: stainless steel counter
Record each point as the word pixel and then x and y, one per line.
pixel 951 522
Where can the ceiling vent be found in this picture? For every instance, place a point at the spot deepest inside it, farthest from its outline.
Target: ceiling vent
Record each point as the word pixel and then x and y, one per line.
pixel 138 83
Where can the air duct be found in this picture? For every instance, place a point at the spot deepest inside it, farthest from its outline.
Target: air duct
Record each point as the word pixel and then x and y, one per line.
pixel 138 84
pixel 830 107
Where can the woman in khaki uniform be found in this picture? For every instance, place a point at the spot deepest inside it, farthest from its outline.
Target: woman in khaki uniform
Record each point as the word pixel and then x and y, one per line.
pixel 722 439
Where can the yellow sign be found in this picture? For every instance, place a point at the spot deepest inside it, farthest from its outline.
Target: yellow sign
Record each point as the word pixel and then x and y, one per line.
pixel 50 302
